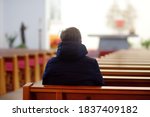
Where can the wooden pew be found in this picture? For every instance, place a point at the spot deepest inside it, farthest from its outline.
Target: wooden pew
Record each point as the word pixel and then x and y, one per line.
pixel 130 51
pixel 36 61
pixel 128 55
pixel 125 67
pixel 144 60
pixel 131 56
pixel 16 70
pixel 2 77
pixel 15 75
pixel 36 91
pixel 123 63
pixel 10 71
pixel 117 72
pixel 21 71
pixel 137 81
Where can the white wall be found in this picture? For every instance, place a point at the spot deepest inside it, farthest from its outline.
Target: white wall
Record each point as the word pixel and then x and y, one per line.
pixel 90 16
pixel 143 17
pixel 1 24
pixel 32 13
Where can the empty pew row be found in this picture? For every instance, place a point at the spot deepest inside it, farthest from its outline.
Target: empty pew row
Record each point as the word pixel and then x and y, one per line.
pixel 129 54
pixel 125 59
pixel 120 62
pixel 137 52
pixel 126 68
pixel 127 64
pixel 19 67
pixel 106 61
pixel 137 81
pixel 37 91
pixel 117 72
pixel 124 72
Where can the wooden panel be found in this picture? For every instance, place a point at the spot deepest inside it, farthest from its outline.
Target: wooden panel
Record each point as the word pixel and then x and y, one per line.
pixel 24 69
pixel 34 67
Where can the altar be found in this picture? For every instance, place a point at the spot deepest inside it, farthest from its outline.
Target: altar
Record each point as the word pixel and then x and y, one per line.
pixel 112 42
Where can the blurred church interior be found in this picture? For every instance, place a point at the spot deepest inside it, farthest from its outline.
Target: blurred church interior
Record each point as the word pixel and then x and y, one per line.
pixel 32 27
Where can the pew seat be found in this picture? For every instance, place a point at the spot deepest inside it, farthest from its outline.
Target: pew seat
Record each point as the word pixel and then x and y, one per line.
pixel 37 91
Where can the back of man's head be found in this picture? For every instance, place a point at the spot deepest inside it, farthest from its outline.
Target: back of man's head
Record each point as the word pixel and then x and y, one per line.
pixel 71 34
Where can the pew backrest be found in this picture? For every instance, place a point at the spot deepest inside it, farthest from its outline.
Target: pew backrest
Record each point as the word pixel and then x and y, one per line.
pixel 37 91
pixel 137 81
pixel 122 72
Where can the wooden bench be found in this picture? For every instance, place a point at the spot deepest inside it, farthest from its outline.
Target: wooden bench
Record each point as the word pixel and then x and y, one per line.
pixel 2 77
pixel 137 81
pixel 37 59
pixel 37 91
pixel 144 60
pixel 16 67
pixel 11 73
pixel 130 55
pixel 117 72
pixel 19 66
pixel 123 63
pixel 125 67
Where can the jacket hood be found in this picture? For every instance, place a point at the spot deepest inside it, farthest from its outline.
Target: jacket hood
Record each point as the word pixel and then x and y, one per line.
pixel 71 51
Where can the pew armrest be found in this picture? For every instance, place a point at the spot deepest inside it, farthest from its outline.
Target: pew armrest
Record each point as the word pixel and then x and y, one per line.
pixel 26 91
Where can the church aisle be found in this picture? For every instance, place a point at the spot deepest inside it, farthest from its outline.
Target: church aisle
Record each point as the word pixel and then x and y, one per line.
pixel 14 95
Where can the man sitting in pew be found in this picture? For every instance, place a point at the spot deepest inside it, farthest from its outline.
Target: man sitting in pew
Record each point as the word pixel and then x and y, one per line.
pixel 71 66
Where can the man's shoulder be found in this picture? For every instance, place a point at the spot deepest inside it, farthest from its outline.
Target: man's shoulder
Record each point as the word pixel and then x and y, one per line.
pixel 52 60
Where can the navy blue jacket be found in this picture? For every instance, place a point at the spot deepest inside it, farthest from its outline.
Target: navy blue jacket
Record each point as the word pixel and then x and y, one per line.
pixel 71 66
